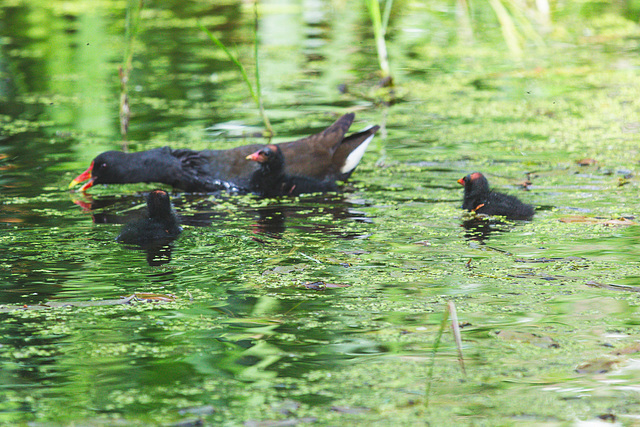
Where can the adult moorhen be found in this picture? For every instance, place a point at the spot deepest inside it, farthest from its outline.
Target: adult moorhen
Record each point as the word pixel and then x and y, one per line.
pixel 328 155
pixel 479 198
pixel 160 225
pixel 270 180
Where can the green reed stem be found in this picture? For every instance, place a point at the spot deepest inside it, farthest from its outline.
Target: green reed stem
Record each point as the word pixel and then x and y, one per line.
pixel 385 18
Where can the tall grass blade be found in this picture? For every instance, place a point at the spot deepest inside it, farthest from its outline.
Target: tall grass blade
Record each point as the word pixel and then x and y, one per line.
pixel 463 13
pixel 509 32
pixel 450 312
pixel 544 9
pixel 515 25
pixel 524 23
pixel 379 34
pixel 233 59
pixel 451 307
pixel 257 93
pixel 385 17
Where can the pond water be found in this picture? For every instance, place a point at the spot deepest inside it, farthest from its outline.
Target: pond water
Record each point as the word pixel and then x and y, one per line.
pixel 548 308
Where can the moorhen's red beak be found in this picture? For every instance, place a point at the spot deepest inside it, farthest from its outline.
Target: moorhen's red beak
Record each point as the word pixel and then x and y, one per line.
pixel 258 156
pixel 86 175
pixel 461 181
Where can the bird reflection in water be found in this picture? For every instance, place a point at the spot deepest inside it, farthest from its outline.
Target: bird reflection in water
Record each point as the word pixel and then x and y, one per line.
pixel 270 222
pixel 307 214
pixel 479 228
pixel 274 220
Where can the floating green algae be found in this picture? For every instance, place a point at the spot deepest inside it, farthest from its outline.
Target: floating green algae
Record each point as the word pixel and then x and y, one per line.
pixel 548 308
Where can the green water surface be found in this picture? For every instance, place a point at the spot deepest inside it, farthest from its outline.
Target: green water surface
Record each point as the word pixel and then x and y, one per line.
pixel 548 307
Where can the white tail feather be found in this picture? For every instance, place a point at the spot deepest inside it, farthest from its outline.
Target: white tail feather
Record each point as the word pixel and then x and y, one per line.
pixel 354 157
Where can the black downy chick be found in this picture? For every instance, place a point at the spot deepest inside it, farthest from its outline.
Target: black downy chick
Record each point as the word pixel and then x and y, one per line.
pixel 480 199
pixel 160 225
pixel 271 181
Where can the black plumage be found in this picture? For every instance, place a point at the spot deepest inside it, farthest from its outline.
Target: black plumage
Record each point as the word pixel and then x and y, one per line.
pixel 270 180
pixel 478 197
pixel 328 155
pixel 160 225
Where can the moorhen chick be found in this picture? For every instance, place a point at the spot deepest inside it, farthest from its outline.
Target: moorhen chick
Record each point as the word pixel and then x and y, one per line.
pixel 328 155
pixel 161 225
pixel 270 180
pixel 479 198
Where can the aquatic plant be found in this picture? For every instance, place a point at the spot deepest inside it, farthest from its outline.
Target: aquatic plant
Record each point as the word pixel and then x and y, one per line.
pixel 380 23
pixel 132 25
pixel 436 345
pixel 511 17
pixel 452 313
pixel 257 93
pixel 515 25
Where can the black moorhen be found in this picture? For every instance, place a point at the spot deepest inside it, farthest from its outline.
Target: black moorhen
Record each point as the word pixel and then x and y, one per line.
pixel 161 224
pixel 328 155
pixel 479 198
pixel 271 181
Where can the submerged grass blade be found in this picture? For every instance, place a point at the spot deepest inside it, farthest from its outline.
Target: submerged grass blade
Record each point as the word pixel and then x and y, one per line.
pixel 436 345
pixel 451 307
pixel 450 312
